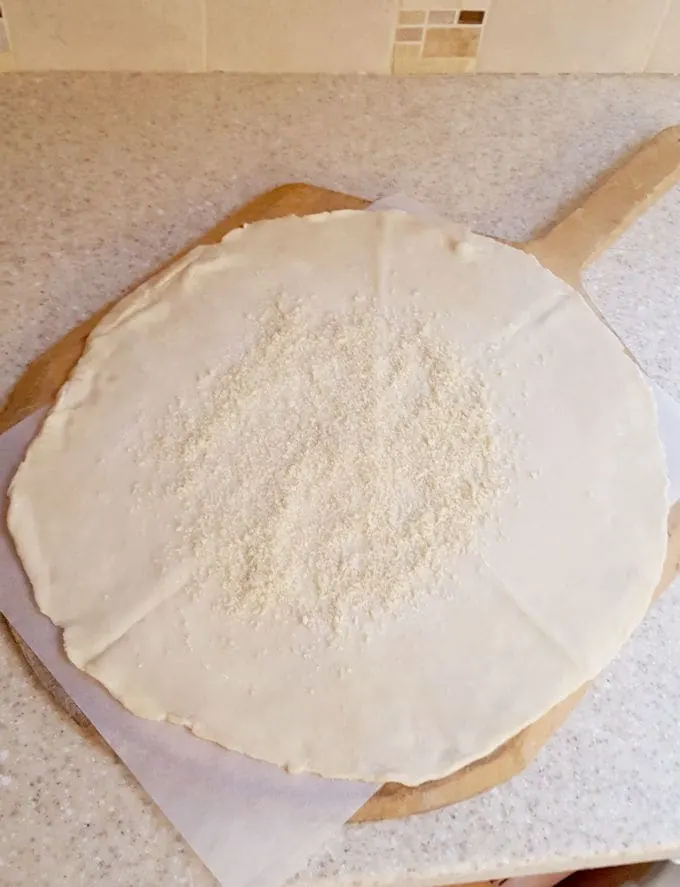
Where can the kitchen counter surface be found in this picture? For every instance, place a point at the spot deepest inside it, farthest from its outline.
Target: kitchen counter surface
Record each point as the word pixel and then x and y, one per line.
pixel 104 177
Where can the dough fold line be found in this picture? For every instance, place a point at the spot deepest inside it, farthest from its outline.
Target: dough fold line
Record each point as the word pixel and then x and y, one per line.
pixel 506 592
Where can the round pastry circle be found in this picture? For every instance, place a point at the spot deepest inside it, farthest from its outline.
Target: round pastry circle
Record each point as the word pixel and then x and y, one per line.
pixel 360 494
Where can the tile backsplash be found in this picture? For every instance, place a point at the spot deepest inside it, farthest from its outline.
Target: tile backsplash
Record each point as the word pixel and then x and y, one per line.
pixel 554 36
pixel 298 35
pixel 401 37
pixel 432 39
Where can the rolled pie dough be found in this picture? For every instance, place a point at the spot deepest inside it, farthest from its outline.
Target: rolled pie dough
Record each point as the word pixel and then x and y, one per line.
pixel 359 493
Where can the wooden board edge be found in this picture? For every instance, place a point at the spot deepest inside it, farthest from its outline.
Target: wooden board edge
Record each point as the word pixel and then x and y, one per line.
pixel 40 382
pixel 618 199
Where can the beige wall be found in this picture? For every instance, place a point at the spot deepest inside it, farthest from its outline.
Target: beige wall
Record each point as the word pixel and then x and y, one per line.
pixel 382 36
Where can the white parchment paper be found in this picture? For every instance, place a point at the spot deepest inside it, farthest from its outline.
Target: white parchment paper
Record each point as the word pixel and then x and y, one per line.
pixel 251 823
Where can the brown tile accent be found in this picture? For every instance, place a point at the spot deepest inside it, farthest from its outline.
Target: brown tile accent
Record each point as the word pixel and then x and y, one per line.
pixel 451 42
pixel 412 17
pixel 471 17
pixel 409 35
pixel 442 17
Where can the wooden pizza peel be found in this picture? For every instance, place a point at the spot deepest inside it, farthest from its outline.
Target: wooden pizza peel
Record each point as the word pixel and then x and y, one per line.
pixel 566 249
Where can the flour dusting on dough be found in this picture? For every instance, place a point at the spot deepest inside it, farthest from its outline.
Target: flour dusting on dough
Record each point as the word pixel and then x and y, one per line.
pixel 361 461
pixel 339 419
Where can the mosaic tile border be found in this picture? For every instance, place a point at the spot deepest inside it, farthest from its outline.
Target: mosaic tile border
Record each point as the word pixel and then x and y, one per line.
pixel 438 37
pixel 402 36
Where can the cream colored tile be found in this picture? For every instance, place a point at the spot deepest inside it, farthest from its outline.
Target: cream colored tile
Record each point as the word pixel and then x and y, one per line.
pixel 442 17
pixel 154 35
pixel 451 43
pixel 446 4
pixel 300 35
pixel 406 51
pixel 7 62
pixel 557 36
pixel 434 66
pixel 665 54
pixel 412 17
pixel 431 4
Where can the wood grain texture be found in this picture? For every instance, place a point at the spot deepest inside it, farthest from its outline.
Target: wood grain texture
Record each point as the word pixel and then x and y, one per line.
pixel 616 202
pixel 573 242
pixel 612 876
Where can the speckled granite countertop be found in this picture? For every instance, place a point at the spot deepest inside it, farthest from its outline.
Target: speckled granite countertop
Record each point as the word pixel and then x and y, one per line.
pixel 105 176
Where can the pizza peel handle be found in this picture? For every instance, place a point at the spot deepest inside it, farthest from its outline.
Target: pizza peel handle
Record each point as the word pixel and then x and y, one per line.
pixel 622 197
pixel 565 249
